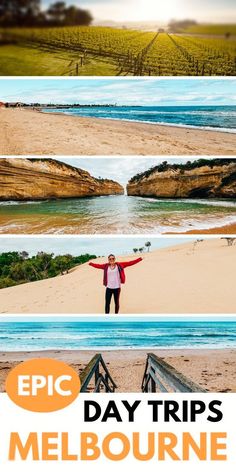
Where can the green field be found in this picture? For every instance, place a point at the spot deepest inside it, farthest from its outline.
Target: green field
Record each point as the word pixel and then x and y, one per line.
pixel 110 51
pixel 212 29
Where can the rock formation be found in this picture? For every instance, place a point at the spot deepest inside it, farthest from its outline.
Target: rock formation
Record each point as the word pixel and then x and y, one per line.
pixel 40 179
pixel 204 180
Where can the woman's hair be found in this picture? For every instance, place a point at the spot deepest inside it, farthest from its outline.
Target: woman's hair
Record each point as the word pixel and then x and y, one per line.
pixel 111 255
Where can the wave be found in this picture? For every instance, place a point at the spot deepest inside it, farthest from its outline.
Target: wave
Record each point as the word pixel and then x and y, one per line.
pixel 182 113
pixel 117 348
pixel 212 127
pixel 143 110
pixel 21 202
pixel 190 224
pixel 206 224
pixel 185 225
pixel 192 201
pixel 176 125
pixel 184 201
pixel 139 340
pixel 165 333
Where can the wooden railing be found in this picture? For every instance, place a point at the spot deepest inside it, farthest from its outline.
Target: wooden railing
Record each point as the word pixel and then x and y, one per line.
pixel 96 377
pixel 159 376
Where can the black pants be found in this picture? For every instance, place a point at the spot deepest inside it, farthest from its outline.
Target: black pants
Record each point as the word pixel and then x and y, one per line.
pixel 116 294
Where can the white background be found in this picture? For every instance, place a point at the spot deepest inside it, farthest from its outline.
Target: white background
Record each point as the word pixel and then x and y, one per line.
pixel 13 418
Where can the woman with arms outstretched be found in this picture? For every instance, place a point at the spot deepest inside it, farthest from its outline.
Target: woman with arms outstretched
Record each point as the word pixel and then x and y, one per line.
pixel 113 277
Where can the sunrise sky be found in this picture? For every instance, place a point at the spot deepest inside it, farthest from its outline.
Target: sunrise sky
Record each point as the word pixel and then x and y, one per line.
pixel 155 10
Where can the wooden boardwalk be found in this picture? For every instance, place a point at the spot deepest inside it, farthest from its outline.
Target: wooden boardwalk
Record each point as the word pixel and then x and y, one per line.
pixel 96 377
pixel 158 377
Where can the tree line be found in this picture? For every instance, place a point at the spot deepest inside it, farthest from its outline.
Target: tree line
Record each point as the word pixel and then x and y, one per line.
pixel 142 249
pixel 189 165
pixel 19 268
pixel 27 13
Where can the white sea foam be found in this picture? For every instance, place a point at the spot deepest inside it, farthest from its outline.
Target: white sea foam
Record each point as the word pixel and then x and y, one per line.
pixel 21 202
pixel 160 123
pixel 192 201
pixel 25 348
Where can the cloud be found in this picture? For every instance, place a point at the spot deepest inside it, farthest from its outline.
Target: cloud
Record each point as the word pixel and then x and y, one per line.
pixel 77 246
pixel 117 168
pixel 123 91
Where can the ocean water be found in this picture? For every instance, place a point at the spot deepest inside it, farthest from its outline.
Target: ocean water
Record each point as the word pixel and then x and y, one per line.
pixel 107 335
pixel 221 118
pixel 115 214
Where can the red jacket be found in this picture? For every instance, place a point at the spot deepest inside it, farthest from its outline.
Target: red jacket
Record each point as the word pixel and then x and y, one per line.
pixel 121 266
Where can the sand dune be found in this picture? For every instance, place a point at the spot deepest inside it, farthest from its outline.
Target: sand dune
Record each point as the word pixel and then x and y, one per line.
pixel 179 279
pixel 28 132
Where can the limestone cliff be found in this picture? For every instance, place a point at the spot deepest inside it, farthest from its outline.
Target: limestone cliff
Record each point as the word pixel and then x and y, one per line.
pixel 217 179
pixel 40 179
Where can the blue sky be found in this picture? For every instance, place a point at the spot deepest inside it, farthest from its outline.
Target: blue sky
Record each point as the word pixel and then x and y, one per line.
pixel 154 10
pixel 76 246
pixel 123 91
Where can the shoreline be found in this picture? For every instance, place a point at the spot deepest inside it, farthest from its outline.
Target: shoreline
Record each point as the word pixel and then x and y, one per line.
pixel 110 350
pixel 229 229
pixel 39 133
pixel 213 370
pixel 38 222
pixel 224 230
pixel 157 123
pixel 10 226
pixel 124 352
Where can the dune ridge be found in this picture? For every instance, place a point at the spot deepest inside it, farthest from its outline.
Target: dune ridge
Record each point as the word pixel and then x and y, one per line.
pixel 189 278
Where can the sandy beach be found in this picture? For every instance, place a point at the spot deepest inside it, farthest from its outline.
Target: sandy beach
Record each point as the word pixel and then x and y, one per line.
pixel 29 132
pixel 227 229
pixel 190 278
pixel 213 370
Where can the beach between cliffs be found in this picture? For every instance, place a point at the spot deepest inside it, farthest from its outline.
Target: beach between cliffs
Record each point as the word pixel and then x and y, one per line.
pixel 30 132
pixel 211 369
pixel 190 278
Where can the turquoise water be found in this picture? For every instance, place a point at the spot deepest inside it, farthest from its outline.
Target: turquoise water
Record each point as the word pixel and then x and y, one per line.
pixel 222 118
pixel 115 214
pixel 32 336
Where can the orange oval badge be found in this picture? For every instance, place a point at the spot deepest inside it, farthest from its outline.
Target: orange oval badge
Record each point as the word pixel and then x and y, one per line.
pixel 43 385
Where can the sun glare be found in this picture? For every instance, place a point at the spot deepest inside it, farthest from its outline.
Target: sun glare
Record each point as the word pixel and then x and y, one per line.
pixel 157 10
